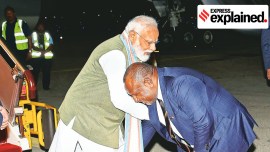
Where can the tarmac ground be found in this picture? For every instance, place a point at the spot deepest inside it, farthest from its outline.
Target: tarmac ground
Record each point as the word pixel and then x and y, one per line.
pixel 239 69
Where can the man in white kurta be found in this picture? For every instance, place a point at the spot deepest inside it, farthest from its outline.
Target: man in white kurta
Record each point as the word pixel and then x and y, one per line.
pixel 92 112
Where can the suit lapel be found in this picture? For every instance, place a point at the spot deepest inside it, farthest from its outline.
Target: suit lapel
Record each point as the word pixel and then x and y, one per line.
pixel 163 80
pixel 153 115
pixel 154 119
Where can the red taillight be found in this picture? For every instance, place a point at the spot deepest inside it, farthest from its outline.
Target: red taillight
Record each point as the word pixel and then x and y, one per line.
pixel 24 91
pixel 30 84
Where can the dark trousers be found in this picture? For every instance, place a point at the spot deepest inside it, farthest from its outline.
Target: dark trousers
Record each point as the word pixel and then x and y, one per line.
pixel 44 65
pixel 21 55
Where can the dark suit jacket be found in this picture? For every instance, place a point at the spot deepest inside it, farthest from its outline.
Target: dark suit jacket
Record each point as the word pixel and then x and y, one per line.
pixel 1 116
pixel 205 114
pixel 265 46
pixel 1 119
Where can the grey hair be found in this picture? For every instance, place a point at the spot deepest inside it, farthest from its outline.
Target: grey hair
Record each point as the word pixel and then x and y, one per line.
pixel 140 22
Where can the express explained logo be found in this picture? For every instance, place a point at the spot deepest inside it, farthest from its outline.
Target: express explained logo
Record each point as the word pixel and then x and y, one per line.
pixel 232 16
pixel 228 16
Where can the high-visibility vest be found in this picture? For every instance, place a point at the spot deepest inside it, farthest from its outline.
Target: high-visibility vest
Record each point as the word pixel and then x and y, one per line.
pixel 37 54
pixel 20 39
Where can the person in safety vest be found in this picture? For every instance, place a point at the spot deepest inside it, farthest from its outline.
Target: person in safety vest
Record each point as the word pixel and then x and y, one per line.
pixel 17 34
pixel 42 54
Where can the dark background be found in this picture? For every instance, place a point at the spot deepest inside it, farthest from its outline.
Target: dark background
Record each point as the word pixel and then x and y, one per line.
pixel 99 20
pixel 95 21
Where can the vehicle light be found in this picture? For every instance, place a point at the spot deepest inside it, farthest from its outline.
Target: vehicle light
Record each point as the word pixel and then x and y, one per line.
pixel 23 92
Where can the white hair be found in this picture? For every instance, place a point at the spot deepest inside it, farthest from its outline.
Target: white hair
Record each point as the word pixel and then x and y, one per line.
pixel 140 22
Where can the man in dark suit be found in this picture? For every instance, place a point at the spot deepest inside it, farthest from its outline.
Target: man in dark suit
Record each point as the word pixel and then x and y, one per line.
pixel 265 46
pixel 201 112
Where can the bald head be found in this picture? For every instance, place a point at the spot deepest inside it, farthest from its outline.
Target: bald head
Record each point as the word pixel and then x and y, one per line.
pixel 141 82
pixel 137 71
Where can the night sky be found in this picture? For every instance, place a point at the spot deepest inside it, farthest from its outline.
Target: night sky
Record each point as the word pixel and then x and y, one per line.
pixel 99 18
pixel 103 19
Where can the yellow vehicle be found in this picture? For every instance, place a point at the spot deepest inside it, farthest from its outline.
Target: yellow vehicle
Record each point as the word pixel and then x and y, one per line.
pixel 28 119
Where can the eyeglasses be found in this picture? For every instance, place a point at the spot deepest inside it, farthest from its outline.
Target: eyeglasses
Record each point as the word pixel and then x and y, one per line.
pixel 148 42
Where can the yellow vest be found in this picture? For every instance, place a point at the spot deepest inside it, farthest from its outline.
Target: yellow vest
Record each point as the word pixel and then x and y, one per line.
pixel 20 39
pixel 37 54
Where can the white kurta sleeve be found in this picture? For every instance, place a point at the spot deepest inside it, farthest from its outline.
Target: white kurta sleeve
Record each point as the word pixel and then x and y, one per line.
pixel 113 64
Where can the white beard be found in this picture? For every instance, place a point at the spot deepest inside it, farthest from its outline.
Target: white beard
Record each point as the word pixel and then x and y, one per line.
pixel 143 55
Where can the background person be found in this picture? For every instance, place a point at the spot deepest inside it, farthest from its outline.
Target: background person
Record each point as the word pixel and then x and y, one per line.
pixel 42 54
pixel 94 107
pixel 200 111
pixel 17 34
